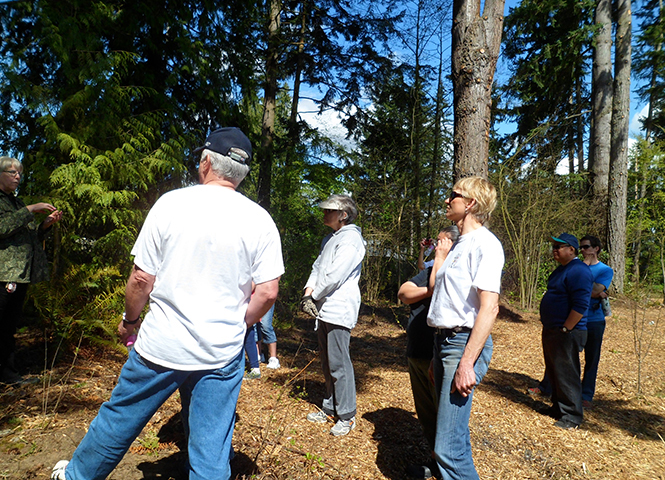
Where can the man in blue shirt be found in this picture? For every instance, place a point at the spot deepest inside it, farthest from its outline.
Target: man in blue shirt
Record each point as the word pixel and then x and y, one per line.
pixel 564 334
pixel 595 317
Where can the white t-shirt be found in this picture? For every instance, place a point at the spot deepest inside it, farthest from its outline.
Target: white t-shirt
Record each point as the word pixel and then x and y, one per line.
pixel 474 263
pixel 205 245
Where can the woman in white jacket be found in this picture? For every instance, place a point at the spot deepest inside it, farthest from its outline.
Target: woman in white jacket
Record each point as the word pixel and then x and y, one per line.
pixel 332 296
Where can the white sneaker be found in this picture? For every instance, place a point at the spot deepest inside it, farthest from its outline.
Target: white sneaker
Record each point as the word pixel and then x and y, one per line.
pixel 273 363
pixel 253 374
pixel 318 417
pixel 343 427
pixel 58 472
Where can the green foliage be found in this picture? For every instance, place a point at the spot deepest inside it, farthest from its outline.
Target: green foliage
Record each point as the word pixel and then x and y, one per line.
pixel 547 44
pixel 648 64
pixel 531 208
pixel 646 207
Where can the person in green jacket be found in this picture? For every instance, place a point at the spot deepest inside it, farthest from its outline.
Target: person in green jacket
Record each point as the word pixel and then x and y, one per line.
pixel 22 258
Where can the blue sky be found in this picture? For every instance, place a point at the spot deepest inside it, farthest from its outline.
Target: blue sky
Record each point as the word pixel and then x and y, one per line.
pixel 329 122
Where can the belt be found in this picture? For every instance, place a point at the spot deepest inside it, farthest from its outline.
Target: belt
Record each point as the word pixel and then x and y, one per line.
pixel 451 332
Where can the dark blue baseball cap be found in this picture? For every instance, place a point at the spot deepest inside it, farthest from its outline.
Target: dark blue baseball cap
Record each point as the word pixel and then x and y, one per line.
pixel 568 239
pixel 231 142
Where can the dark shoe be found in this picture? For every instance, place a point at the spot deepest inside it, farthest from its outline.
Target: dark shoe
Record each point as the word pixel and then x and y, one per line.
pixel 10 376
pixel 422 471
pixel 587 404
pixel 565 424
pixel 550 412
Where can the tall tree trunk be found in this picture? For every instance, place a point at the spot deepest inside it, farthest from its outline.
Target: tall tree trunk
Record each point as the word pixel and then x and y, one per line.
pixel 579 123
pixel 618 185
pixel 294 131
pixel 416 137
pixel 476 40
pixel 269 109
pixel 599 150
pixel 436 151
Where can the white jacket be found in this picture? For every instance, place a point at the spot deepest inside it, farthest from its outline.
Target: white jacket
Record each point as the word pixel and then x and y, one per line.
pixel 335 275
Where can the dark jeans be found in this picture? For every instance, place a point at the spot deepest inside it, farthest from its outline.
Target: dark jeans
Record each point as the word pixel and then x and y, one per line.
pixel 562 363
pixel 594 341
pixel 424 397
pixel 11 311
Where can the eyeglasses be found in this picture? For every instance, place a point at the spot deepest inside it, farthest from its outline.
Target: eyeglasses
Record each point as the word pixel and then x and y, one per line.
pixel 454 195
pixel 584 247
pixel 556 246
pixel 13 173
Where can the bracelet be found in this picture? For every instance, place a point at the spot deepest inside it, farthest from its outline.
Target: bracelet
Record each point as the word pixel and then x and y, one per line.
pixel 129 322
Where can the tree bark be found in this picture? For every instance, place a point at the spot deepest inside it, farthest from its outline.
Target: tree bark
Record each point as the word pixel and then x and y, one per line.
pixel 476 40
pixel 269 109
pixel 599 158
pixel 618 181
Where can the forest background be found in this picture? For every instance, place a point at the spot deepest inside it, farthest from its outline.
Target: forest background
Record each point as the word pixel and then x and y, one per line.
pixel 104 101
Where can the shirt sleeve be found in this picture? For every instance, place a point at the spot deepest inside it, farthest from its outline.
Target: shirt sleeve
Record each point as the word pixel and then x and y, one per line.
pixel 490 260
pixel 580 284
pixel 268 263
pixel 605 277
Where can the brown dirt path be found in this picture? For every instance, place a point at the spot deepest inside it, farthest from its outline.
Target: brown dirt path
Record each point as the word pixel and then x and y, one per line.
pixel 622 437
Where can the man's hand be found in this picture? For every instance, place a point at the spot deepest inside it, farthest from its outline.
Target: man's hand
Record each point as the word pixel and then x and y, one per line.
pixel 125 330
pixel 308 306
pixel 465 379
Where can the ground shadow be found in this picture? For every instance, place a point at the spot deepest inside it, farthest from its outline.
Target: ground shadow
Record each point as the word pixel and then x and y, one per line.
pixel 171 467
pixel 624 415
pixel 505 313
pixel 173 432
pixel 400 441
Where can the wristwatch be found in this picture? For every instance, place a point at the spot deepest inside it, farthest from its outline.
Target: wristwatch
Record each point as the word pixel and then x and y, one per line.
pixel 129 322
pixel 564 329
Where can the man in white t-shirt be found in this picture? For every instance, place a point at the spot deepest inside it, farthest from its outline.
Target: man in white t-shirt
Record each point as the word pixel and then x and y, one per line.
pixel 196 257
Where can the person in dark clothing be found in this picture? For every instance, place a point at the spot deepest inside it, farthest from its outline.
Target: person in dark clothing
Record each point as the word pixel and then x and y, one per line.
pixel 22 258
pixel 564 333
pixel 419 353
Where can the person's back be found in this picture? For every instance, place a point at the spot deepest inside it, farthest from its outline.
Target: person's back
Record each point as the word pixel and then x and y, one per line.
pixel 204 277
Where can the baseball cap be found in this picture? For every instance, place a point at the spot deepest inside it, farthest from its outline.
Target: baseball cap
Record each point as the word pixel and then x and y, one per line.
pixel 568 239
pixel 231 142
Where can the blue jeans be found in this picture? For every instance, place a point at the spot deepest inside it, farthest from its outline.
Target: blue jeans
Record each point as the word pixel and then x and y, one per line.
pixel 208 412
pixel 594 341
pixel 250 346
pixel 266 332
pixel 453 439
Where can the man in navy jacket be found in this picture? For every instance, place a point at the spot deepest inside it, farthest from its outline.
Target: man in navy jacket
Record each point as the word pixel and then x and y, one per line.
pixel 564 334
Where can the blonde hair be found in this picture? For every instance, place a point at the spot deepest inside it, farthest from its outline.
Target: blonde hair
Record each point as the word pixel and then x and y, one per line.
pixel 483 192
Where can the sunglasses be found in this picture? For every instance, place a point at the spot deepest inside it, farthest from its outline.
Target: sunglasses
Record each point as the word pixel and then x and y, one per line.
pixel 454 195
pixel 584 247
pixel 556 246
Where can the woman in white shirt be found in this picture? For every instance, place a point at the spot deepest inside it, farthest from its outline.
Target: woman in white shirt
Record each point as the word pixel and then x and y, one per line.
pixel 465 301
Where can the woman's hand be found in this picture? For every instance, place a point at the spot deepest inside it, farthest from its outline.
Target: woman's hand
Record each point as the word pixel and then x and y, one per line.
pixel 443 246
pixel 41 207
pixel 51 219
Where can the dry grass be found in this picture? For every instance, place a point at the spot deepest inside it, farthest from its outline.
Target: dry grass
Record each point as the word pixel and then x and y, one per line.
pixel 622 437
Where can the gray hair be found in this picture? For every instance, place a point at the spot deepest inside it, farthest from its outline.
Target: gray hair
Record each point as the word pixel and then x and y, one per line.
pixel 452 232
pixel 226 167
pixel 346 204
pixel 7 162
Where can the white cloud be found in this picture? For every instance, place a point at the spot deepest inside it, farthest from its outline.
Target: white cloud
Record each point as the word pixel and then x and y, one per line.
pixel 635 128
pixel 328 123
